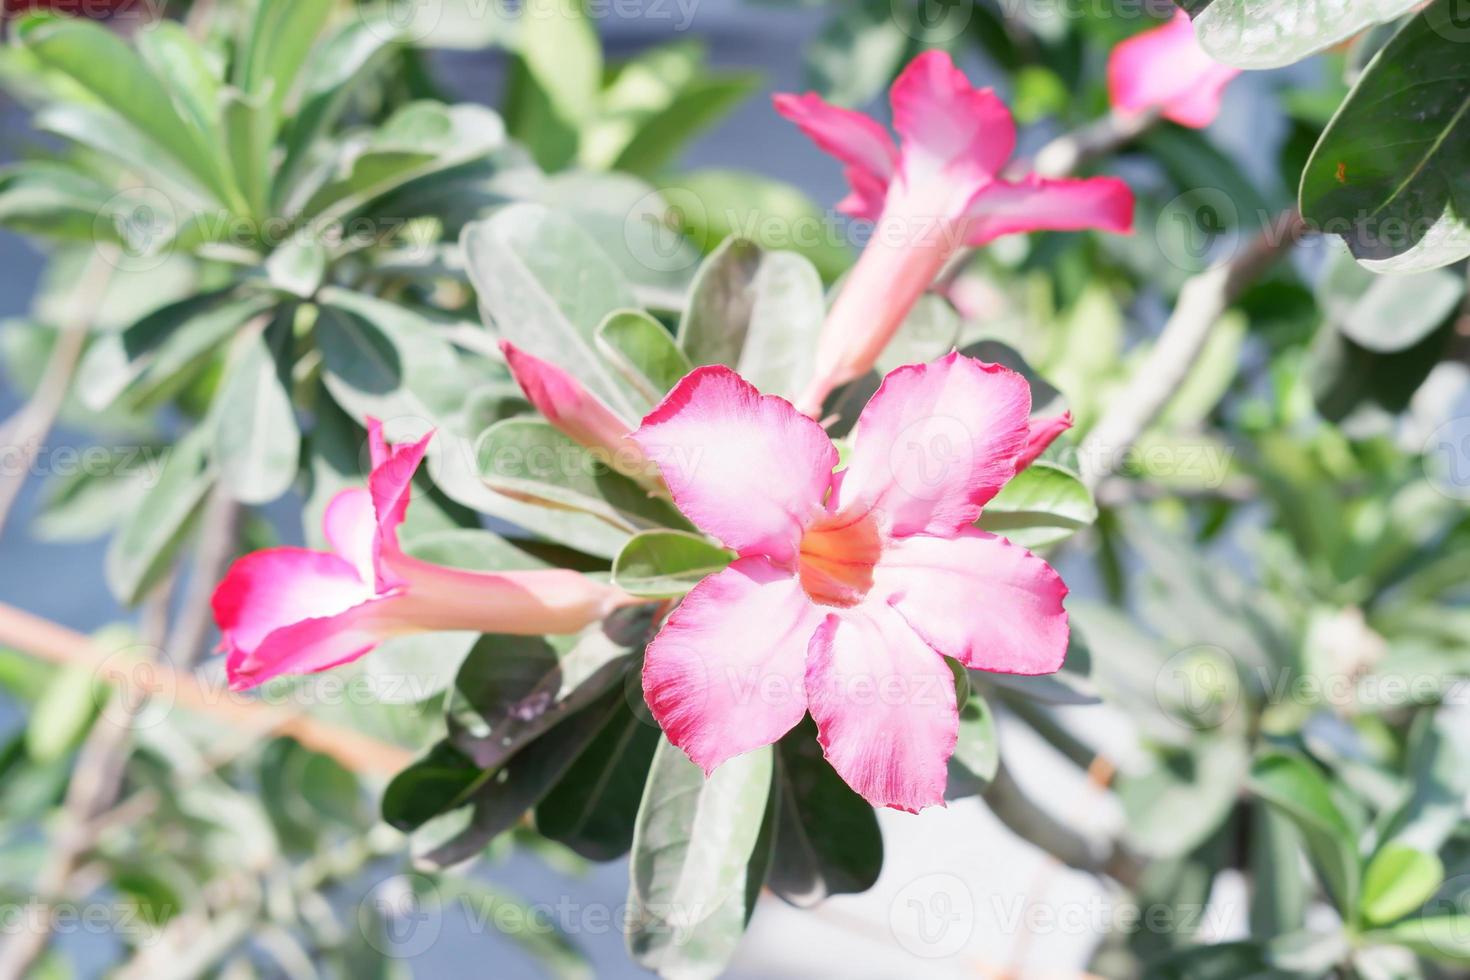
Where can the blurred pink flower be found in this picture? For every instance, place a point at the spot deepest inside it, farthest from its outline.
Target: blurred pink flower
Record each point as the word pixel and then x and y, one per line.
pixel 296 611
pixel 1165 69
pixel 849 589
pixel 941 190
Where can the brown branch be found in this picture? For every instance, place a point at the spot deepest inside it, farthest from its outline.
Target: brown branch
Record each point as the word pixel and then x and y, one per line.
pixel 1202 302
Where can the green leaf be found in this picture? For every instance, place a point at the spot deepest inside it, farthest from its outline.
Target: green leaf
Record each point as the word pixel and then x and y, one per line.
pixel 105 66
pixel 977 750
pixel 855 56
pixel 758 312
pixel 101 130
pixel 1186 796
pixel 1296 789
pixel 153 357
pixel 692 846
pixel 639 89
pixel 1346 378
pixel 558 75
pixel 1399 880
pixel 712 205
pixel 530 460
pixel 297 267
pixel 180 63
pixel 498 798
pixel 667 564
pixel 1272 33
pixel 427 787
pixel 248 140
pixel 257 443
pixel 281 35
pixel 697 106
pixel 1439 744
pixel 643 353
pixel 63 713
pixel 419 139
pixel 56 201
pixel 144 550
pixel 594 807
pixel 328 80
pixel 1445 938
pixel 1043 504
pixel 1392 172
pixel 512 689
pixel 827 836
pixel 1384 314
pixel 545 286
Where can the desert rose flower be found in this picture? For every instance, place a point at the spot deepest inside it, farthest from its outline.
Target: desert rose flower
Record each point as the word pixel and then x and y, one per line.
pixel 936 191
pixel 1040 434
pixel 1165 70
pixel 296 611
pixel 578 414
pixel 849 589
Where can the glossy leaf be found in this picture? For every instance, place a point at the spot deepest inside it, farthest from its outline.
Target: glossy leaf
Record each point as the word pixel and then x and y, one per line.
pixel 1392 171
pixel 667 564
pixel 1271 33
pixel 1398 880
pixel 1296 789
pixel 144 550
pixel 256 440
pixel 643 353
pixel 1044 503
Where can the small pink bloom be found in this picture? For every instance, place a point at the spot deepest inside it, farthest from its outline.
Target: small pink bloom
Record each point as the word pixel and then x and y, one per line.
pixel 1166 69
pixel 849 589
pixel 937 192
pixel 295 611
pixel 577 413
pixel 1041 434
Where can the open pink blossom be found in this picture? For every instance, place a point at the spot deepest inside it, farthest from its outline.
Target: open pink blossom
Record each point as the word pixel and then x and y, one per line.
pixel 296 611
pixel 1165 69
pixel 849 589
pixel 577 413
pixel 938 191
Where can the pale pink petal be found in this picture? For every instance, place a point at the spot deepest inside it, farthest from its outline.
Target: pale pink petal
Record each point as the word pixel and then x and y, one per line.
pixel 351 528
pixel 312 645
pixel 935 442
pixel 746 467
pixel 851 137
pixel 725 674
pixel 576 412
pixel 1040 204
pixel 525 603
pixel 267 590
pixel 884 704
pixel 1041 434
pixel 990 604
pixel 391 485
pixel 950 130
pixel 867 197
pixel 1166 69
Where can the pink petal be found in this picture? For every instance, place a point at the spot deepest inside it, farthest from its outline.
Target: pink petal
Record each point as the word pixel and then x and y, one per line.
pixel 950 129
pixel 351 528
pixel 746 467
pixel 1166 69
pixel 267 590
pixel 935 442
pixel 884 704
pixel 1040 204
pixel 1040 435
pixel 525 603
pixel 313 645
pixel 725 674
pixel 851 137
pixel 575 411
pixel 391 485
pixel 990 604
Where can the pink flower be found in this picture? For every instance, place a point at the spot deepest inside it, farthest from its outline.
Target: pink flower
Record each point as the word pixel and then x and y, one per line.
pixel 849 589
pixel 295 611
pixel 1040 434
pixel 940 191
pixel 1166 69
pixel 577 413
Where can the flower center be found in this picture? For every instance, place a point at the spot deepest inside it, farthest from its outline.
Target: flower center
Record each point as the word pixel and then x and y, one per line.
pixel 836 559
